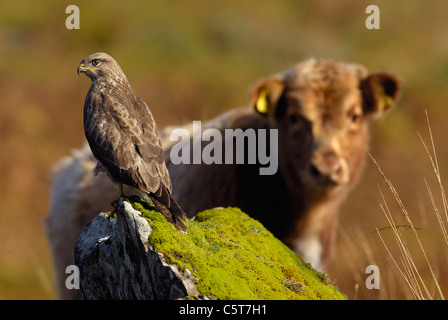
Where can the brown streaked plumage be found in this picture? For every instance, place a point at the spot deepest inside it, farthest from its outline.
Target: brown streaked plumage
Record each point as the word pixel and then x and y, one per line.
pixel 123 136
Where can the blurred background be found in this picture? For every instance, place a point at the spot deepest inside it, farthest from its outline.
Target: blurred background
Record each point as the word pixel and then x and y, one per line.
pixel 191 60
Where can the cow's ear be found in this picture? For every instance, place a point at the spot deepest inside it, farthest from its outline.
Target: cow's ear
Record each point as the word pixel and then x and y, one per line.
pixel 380 92
pixel 265 94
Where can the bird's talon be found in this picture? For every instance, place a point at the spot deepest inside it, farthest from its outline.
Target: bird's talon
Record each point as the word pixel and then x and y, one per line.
pixel 111 213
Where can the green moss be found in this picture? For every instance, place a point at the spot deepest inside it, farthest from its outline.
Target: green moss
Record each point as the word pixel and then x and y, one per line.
pixel 233 256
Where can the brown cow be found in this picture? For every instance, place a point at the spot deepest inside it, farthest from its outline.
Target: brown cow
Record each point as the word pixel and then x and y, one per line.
pixel 319 111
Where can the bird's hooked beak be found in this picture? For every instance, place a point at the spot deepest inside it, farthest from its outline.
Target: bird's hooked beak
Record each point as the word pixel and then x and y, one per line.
pixel 82 68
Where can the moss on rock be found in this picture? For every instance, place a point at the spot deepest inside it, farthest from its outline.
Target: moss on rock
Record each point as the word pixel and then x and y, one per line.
pixel 232 256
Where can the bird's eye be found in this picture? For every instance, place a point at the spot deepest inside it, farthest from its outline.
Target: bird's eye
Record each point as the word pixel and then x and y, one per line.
pixel 95 62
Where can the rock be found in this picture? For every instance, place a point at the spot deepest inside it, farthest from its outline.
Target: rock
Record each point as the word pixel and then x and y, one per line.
pixel 116 262
pixel 224 255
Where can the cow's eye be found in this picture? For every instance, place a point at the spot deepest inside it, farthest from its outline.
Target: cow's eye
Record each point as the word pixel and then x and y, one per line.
pixel 293 118
pixel 356 118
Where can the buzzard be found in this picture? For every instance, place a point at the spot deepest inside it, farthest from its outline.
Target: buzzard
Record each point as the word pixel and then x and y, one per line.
pixel 123 136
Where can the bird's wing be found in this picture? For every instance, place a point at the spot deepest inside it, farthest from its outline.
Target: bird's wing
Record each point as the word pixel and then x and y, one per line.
pixel 151 148
pixel 125 140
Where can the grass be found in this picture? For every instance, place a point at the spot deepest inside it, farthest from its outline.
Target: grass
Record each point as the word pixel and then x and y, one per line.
pixel 405 262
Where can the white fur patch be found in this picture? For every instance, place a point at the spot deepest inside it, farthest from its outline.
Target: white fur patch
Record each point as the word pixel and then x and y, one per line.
pixel 310 249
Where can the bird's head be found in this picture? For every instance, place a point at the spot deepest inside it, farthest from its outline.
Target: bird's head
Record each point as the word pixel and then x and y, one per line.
pixel 100 65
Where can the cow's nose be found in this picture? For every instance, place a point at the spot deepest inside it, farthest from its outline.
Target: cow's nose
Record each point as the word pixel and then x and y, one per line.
pixel 329 165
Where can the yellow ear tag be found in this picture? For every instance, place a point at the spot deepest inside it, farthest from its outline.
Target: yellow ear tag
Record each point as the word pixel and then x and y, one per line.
pixel 388 101
pixel 262 102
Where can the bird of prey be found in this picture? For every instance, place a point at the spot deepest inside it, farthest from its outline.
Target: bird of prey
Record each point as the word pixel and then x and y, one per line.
pixel 123 136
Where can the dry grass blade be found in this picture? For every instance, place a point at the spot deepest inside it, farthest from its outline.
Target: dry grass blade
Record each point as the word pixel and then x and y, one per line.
pixel 436 210
pixel 414 292
pixel 412 271
pixel 435 167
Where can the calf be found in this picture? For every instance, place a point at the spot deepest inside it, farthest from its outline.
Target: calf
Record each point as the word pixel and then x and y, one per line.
pixel 320 110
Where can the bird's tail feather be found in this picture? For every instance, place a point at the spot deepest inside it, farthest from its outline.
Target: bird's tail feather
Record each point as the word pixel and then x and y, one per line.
pixel 171 210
